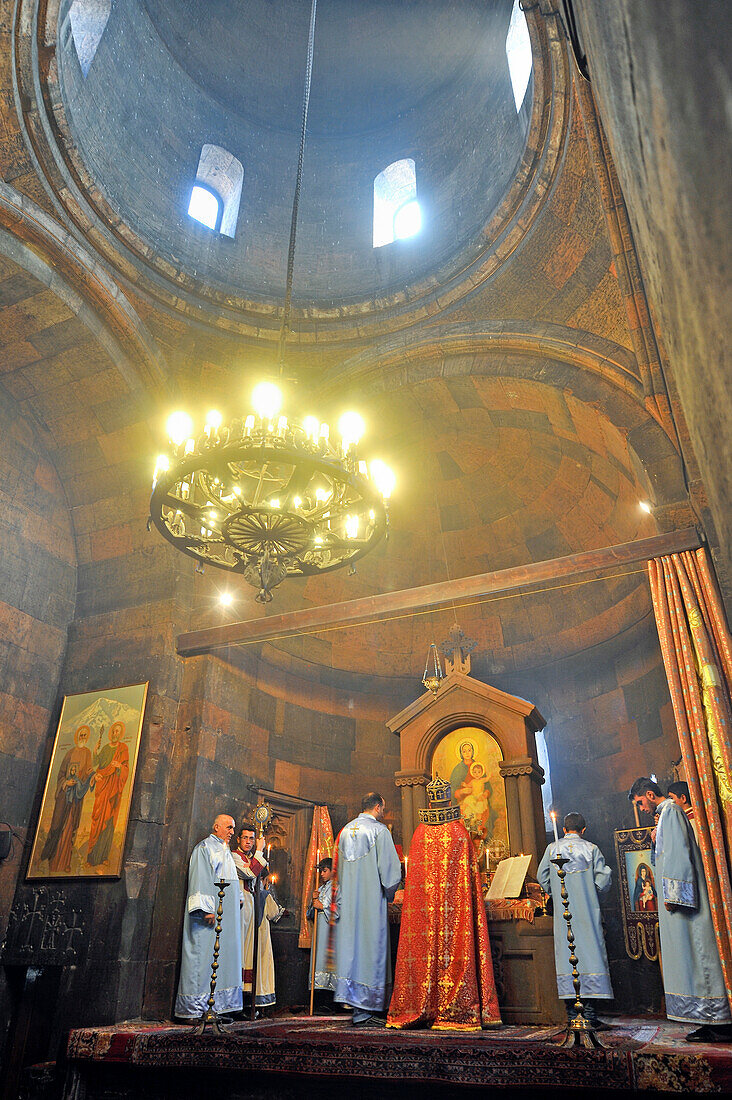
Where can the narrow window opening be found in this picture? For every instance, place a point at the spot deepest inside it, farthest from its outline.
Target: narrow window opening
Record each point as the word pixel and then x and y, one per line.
pixel 205 206
pixel 219 180
pixel 88 18
pixel 397 213
pixel 518 54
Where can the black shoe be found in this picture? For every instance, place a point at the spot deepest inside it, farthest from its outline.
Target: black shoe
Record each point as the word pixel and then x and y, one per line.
pixel 370 1021
pixel 707 1033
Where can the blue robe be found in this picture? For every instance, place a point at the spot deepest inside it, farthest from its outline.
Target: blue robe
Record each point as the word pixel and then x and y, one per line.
pixel 369 873
pixel 587 876
pixel 324 978
pixel 210 861
pixel 692 973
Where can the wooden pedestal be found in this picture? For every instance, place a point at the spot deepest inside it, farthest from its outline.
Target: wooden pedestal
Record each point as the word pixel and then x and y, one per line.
pixel 523 964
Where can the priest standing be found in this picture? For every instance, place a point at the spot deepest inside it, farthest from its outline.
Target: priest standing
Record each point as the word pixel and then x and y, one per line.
pixel 693 982
pixel 444 973
pixel 211 861
pixel 588 876
pixel 368 873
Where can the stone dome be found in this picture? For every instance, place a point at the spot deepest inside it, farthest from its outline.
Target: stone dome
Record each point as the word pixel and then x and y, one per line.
pixel 168 77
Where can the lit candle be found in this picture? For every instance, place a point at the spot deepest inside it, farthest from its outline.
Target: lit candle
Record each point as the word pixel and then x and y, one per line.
pixel 554 823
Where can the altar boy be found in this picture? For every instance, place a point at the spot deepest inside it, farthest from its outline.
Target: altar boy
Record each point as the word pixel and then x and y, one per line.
pixel 587 876
pixel 326 911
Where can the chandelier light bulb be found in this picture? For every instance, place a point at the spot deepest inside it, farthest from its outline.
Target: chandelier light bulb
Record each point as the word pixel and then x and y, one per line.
pixel 179 427
pixel 226 599
pixel 161 463
pixel 324 432
pixel 383 478
pixel 267 400
pixel 311 426
pixel 321 495
pixel 351 427
pixel 214 420
pixel 645 506
pixel 351 527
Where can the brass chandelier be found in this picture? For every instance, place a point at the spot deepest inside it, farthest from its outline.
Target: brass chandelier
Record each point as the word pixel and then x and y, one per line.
pixel 264 495
pixel 269 497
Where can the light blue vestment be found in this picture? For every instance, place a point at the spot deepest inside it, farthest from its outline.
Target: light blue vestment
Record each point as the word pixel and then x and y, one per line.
pixel 692 973
pixel 369 873
pixel 324 978
pixel 587 875
pixel 210 861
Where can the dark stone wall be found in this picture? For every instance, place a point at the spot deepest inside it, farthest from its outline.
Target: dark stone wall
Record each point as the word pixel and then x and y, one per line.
pixel 37 594
pixel 667 125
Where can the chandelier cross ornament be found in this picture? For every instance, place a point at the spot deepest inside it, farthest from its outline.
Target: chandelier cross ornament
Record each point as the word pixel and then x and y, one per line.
pixel 266 495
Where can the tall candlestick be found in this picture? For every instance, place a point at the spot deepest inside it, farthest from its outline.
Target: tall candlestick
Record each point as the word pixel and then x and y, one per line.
pixel 406 867
pixel 554 823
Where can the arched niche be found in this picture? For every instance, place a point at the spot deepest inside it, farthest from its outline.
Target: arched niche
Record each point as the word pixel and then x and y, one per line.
pixel 462 701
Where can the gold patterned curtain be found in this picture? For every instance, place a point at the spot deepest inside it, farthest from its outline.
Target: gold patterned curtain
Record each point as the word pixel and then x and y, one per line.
pixel 697 655
pixel 320 846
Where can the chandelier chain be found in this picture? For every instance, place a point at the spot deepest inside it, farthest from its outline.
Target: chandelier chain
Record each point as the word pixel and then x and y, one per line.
pixel 298 185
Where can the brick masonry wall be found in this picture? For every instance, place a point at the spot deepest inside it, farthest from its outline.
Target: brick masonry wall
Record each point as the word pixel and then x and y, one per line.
pixel 37 594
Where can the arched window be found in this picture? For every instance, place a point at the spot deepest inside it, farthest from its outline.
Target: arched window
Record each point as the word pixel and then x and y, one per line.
pixel 396 211
pixel 217 190
pixel 205 206
pixel 87 19
pixel 518 54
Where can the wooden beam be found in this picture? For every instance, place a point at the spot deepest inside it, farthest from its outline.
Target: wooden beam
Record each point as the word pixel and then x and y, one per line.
pixel 434 595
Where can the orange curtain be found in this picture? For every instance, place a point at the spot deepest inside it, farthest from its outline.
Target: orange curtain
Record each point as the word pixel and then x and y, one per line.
pixel 321 845
pixel 697 655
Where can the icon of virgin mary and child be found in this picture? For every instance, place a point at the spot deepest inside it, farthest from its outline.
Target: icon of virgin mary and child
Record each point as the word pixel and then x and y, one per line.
pixel 472 790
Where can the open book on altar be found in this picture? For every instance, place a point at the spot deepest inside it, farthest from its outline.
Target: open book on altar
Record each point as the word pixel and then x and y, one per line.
pixel 509 878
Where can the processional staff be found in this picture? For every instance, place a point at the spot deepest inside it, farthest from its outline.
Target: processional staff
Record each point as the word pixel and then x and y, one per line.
pixel 210 1015
pixel 580 1031
pixel 313 961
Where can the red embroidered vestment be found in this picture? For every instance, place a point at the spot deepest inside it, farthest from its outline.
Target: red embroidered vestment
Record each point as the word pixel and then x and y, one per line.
pixel 444 973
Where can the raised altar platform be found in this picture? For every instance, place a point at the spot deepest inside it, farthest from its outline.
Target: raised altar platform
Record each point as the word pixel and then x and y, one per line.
pixel 291 1056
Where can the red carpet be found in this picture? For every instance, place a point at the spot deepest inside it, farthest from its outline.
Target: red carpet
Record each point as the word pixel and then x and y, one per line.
pixel 637 1055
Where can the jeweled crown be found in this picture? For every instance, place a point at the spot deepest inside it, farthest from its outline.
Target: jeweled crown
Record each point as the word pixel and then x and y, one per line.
pixel 439 792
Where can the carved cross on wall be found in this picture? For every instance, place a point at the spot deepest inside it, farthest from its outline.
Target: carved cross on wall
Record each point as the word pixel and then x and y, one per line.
pixel 456 650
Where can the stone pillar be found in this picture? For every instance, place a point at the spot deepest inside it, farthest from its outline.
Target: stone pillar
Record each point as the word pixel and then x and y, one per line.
pixel 513 811
pixel 414 796
pixel 523 779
